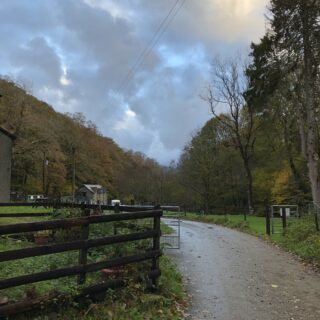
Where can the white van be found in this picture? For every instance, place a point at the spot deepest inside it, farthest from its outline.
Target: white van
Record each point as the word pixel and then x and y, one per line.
pixel 35 197
pixel 115 202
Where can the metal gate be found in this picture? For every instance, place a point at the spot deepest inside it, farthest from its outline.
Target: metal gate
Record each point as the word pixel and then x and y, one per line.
pixel 277 212
pixel 171 217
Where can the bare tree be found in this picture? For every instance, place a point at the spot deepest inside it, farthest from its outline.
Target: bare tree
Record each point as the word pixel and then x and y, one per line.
pixel 227 89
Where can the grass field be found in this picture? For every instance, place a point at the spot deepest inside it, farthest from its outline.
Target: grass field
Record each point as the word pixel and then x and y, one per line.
pixel 254 225
pixel 300 236
pixel 22 210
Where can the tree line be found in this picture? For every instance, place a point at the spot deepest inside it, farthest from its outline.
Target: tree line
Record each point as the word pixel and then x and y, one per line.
pixel 264 147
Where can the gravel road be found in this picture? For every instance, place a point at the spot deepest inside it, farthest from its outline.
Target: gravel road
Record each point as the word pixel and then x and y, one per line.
pixel 234 276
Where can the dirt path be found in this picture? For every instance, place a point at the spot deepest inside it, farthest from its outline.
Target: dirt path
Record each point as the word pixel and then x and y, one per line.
pixel 234 276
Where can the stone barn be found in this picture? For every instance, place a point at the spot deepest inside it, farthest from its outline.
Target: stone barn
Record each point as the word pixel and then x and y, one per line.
pixel 6 141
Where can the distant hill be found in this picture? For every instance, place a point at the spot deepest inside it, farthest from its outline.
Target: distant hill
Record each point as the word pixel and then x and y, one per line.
pixel 46 136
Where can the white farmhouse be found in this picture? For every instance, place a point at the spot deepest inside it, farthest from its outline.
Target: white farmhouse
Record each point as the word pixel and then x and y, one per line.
pixel 91 194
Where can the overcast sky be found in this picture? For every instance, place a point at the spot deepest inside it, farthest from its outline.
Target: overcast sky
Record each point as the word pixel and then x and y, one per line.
pixel 77 54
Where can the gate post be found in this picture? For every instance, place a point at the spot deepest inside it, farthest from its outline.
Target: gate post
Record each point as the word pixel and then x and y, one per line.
pixel 156 244
pixel 316 219
pixel 267 210
pixel 83 252
pixel 115 224
pixel 284 219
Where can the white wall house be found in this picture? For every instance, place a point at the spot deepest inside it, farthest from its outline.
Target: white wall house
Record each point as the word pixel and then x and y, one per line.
pixel 91 194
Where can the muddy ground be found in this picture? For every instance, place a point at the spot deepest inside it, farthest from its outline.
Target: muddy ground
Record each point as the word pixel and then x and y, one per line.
pixel 230 275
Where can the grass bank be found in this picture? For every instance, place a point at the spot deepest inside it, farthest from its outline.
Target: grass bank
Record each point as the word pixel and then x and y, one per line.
pixel 253 225
pixel 134 303
pixel 301 237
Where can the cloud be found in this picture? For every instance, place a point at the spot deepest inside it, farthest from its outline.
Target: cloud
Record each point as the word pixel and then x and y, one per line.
pixel 78 55
pixel 38 60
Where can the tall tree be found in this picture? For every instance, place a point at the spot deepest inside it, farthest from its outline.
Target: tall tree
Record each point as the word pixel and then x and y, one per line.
pixel 296 26
pixel 227 88
pixel 198 164
pixel 210 170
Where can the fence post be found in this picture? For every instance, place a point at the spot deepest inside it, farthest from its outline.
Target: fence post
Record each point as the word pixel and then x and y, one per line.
pixel 156 244
pixel 316 219
pixel 284 219
pixel 116 210
pixel 267 210
pixel 83 252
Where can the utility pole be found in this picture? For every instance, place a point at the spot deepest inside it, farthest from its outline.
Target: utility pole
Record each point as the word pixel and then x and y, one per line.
pixel 44 173
pixel 73 172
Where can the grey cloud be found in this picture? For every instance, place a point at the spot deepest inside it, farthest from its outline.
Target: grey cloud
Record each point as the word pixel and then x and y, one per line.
pixel 103 40
pixel 173 108
pixel 37 60
pixel 94 43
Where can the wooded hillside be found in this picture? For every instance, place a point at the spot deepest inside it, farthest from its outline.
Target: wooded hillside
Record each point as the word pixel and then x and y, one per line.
pixel 45 139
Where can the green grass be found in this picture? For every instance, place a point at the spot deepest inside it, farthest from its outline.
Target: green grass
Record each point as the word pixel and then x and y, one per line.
pixel 301 238
pixel 21 219
pixel 24 209
pixel 165 229
pixel 253 225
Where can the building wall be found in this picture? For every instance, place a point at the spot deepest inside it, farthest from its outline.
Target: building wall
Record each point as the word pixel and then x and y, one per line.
pixel 84 195
pixel 5 167
pixel 101 198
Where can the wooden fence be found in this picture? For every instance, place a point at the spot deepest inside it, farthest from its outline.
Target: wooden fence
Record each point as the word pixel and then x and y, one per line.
pixel 83 244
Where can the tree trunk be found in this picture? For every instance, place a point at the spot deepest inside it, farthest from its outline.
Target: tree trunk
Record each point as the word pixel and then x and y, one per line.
pixel 288 147
pixel 249 188
pixel 302 132
pixel 245 159
pixel 313 157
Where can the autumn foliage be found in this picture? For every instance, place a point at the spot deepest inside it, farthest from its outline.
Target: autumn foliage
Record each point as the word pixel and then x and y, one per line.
pixel 42 155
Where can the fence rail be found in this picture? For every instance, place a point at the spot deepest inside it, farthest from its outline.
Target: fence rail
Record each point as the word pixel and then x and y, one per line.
pixel 83 244
pixel 57 204
pixel 74 222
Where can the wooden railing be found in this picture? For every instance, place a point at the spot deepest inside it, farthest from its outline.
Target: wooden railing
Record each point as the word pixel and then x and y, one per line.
pixel 82 244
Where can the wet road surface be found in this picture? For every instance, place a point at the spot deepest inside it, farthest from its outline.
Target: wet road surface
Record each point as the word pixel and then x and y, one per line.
pixel 234 276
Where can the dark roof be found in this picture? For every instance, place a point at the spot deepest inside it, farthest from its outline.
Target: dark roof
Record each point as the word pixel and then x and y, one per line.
pixel 94 188
pixel 7 133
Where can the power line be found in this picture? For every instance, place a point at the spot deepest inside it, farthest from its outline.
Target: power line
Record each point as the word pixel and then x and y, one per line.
pixel 174 10
pixel 142 54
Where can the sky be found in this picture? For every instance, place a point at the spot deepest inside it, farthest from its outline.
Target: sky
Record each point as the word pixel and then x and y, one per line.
pixel 83 56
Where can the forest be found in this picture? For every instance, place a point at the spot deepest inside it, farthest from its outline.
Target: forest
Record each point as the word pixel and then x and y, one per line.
pixel 44 147
pixel 263 148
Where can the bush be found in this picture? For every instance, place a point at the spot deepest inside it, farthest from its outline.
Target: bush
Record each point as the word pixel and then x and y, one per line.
pixel 302 238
